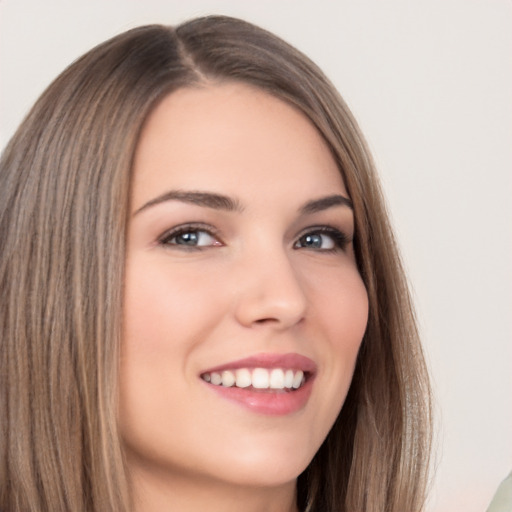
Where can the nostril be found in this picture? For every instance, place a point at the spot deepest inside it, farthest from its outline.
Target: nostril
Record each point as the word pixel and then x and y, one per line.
pixel 265 320
pixel 272 300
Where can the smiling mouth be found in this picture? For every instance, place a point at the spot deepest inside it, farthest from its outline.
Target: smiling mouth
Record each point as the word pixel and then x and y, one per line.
pixel 268 384
pixel 258 379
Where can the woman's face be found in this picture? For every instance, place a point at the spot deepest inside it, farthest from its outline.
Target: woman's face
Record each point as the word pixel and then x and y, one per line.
pixel 243 308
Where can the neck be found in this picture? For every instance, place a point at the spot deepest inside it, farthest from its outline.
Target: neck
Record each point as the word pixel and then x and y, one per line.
pixel 172 493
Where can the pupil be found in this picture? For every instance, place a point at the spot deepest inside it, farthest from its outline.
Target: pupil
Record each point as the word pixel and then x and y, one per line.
pixel 188 238
pixel 313 241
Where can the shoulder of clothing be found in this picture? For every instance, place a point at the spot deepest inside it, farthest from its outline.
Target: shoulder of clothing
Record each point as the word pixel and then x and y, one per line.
pixel 502 501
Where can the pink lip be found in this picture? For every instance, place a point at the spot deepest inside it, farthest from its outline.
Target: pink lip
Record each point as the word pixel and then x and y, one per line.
pixel 293 361
pixel 268 402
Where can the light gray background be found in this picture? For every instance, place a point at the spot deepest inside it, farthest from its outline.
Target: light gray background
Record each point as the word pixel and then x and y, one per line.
pixel 430 83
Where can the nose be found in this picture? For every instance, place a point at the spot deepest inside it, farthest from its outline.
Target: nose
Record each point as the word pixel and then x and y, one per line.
pixel 269 291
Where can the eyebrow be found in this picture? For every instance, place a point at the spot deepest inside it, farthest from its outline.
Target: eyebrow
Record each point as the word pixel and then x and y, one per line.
pixel 205 199
pixel 222 202
pixel 318 205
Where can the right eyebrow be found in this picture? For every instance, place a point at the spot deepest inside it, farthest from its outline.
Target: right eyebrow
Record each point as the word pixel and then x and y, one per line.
pixel 205 199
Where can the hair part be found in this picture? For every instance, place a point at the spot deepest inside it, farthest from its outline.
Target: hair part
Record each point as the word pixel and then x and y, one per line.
pixel 64 201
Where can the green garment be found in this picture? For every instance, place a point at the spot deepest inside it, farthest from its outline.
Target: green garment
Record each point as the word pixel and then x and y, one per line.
pixel 502 501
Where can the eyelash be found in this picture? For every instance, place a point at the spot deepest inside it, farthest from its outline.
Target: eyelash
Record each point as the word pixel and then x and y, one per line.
pixel 340 239
pixel 168 236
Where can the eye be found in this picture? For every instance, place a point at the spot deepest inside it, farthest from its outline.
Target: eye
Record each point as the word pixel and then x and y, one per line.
pixel 322 238
pixel 190 237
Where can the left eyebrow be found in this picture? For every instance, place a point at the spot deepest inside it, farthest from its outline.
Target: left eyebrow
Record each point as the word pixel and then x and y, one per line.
pixel 323 203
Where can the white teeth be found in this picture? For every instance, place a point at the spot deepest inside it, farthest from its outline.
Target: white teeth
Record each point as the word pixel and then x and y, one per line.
pixel 297 379
pixel 228 379
pixel 258 378
pixel 288 379
pixel 277 379
pixel 243 378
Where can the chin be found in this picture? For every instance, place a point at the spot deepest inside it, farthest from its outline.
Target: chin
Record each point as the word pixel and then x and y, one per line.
pixel 269 473
pixel 266 463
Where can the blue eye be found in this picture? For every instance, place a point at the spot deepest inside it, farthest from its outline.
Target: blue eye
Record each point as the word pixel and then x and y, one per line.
pixel 189 237
pixel 322 239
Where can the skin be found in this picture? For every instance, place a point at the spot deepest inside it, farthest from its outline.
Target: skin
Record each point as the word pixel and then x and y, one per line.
pixel 253 286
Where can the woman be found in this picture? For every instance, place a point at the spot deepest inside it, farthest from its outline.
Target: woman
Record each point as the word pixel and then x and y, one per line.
pixel 202 302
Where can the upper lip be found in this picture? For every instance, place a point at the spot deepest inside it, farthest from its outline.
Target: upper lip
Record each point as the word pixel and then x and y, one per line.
pixel 270 361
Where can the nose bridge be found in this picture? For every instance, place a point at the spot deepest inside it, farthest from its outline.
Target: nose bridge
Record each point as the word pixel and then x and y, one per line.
pixel 269 288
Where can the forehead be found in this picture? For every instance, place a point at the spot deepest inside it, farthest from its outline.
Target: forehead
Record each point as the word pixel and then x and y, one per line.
pixel 231 138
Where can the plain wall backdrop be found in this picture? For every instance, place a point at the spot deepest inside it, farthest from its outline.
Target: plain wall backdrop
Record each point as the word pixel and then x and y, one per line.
pixel 430 83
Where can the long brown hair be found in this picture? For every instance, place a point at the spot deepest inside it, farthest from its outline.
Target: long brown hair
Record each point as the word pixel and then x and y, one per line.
pixel 64 195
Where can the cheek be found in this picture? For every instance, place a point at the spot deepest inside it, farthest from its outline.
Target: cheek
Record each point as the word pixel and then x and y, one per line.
pixel 166 310
pixel 342 313
pixel 165 316
pixel 340 305
pixel 349 318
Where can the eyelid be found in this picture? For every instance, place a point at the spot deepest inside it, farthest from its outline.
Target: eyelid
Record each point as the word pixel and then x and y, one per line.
pixel 340 237
pixel 187 227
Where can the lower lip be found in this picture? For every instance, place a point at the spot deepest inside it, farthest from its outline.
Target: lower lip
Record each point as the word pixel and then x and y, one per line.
pixel 272 403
